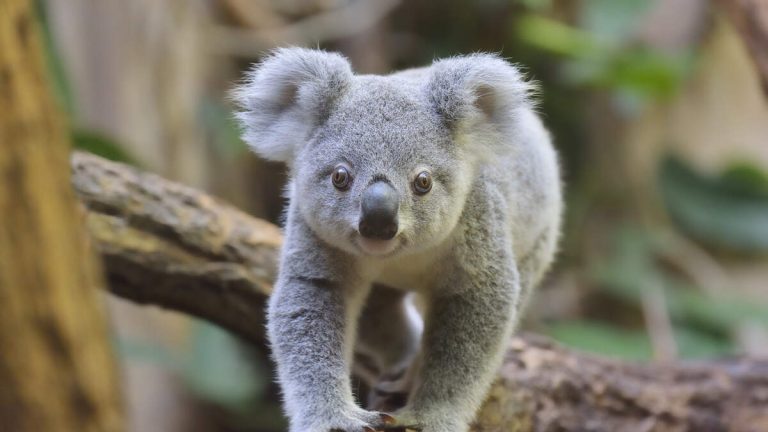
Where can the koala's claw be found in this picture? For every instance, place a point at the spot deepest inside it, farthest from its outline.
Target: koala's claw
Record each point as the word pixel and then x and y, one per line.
pixel 401 428
pixel 404 422
pixel 386 423
pixel 365 429
pixel 387 419
pixel 388 428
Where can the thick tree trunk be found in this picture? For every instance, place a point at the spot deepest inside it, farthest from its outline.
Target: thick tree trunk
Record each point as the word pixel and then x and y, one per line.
pixel 172 246
pixel 56 366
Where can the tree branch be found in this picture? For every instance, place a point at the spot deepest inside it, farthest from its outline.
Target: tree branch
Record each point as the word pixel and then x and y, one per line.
pixel 751 20
pixel 172 246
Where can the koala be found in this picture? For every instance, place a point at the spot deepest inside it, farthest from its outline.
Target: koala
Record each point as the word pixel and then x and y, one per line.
pixel 436 186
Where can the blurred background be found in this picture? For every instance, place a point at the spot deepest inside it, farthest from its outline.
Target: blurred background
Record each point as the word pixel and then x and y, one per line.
pixel 655 106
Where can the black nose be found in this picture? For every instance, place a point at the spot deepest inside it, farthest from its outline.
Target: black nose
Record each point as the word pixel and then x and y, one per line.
pixel 379 211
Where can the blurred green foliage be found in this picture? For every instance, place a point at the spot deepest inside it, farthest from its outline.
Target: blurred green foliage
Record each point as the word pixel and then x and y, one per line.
pixel 704 324
pixel 56 72
pixel 602 50
pixel 603 338
pixel 612 20
pixel 226 134
pixel 96 143
pixel 746 176
pixel 730 211
pixel 598 51
pixel 218 369
pixel 82 139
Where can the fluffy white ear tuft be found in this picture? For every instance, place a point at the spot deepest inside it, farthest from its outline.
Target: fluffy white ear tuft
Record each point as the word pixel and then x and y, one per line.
pixel 286 96
pixel 475 87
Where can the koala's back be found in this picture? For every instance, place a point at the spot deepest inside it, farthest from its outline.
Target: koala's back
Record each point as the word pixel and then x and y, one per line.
pixel 529 177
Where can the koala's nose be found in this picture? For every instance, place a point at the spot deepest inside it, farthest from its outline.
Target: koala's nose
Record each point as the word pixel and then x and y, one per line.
pixel 379 211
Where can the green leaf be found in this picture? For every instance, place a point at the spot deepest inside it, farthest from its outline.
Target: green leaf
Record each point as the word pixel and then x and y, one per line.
pixel 629 269
pixel 556 37
pixel 216 367
pixel 713 210
pixel 133 349
pixel 55 66
pixel 601 52
pixel 226 133
pixel 614 20
pixel 746 177
pixel 101 145
pixel 716 313
pixel 218 370
pixel 693 343
pixel 644 72
pixel 706 322
pixel 537 5
pixel 606 339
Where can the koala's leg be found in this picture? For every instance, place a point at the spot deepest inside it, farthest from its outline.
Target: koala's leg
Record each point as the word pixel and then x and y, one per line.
pixel 471 315
pixel 533 265
pixel 389 334
pixel 311 326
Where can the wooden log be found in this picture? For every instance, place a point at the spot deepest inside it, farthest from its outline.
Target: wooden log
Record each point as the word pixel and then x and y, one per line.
pixel 175 247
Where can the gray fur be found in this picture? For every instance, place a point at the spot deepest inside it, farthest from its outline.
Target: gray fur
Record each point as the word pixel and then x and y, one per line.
pixel 473 248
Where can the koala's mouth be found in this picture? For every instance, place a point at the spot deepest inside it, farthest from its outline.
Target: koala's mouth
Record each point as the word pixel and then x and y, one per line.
pixel 377 247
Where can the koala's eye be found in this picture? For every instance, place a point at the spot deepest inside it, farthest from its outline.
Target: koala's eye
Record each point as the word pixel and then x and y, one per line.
pixel 422 183
pixel 341 178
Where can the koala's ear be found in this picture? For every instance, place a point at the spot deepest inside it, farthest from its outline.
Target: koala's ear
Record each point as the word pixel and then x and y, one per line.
pixel 286 96
pixel 476 88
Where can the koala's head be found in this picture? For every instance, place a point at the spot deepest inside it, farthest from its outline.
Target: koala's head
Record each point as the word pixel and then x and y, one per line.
pixel 380 165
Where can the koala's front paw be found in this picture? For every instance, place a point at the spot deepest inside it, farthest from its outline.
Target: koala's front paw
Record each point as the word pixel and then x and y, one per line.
pixel 376 420
pixel 338 424
pixel 410 421
pixel 353 426
pixel 354 420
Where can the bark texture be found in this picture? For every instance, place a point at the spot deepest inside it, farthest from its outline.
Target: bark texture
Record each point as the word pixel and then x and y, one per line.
pixel 56 365
pixel 751 20
pixel 172 246
pixel 546 387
